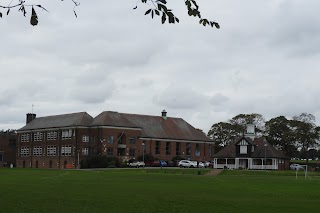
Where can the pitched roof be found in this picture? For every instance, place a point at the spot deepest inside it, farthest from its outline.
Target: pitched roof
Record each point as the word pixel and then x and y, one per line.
pixel 152 126
pixel 260 151
pixel 55 121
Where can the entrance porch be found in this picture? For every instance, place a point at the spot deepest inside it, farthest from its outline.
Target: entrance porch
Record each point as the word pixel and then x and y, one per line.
pixel 246 163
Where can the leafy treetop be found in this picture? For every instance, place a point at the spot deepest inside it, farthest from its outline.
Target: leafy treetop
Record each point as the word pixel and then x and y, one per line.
pixel 157 8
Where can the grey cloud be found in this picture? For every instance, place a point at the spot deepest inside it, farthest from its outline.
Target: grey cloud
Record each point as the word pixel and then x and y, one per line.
pixel 177 97
pixel 218 99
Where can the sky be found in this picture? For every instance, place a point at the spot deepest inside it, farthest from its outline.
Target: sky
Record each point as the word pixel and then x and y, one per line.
pixel 264 59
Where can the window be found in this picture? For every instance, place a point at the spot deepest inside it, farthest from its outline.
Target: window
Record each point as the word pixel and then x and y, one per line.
pixel 157 147
pixel 168 148
pixel 37 136
pixel 85 138
pixel 51 150
pixel 178 148
pixel 110 152
pixel 25 137
pixel 188 149
pixel 24 152
pixel 132 152
pixel 66 134
pixel 132 140
pixel 110 139
pixel 197 150
pixel 37 151
pixel 65 150
pixel 52 136
pixel 85 151
pixel 243 150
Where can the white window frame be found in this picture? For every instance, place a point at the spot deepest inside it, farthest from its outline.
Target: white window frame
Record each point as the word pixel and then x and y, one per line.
pixel 85 151
pixel 66 134
pixel 51 150
pixel 85 138
pixel 52 135
pixel 37 150
pixel 66 150
pixel 25 137
pixel 37 136
pixel 243 149
pixel 24 151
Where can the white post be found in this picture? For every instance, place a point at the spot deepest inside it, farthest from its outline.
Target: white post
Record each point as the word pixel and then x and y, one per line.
pixel 78 161
pixel 265 156
pixel 143 152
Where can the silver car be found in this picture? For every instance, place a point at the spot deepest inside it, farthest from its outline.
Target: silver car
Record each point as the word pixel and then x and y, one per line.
pixel 187 164
pixel 136 164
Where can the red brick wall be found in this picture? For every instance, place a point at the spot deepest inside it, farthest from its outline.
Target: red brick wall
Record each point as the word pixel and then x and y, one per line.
pixel 8 143
pixel 98 145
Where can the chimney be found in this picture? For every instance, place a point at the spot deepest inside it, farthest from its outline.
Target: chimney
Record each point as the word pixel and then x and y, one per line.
pixel 30 117
pixel 164 114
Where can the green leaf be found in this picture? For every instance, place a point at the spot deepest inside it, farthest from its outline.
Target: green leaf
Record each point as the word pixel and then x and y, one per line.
pixel 163 19
pixel 152 13
pixel 163 1
pixel 157 12
pixel 135 7
pixel 34 18
pixel 8 11
pixel 217 25
pixel 0 15
pixel 177 20
pixel 147 12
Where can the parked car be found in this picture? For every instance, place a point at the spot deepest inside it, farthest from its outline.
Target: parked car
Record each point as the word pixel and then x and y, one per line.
pixel 136 164
pixel 201 165
pixel 206 164
pixel 171 163
pixel 187 164
pixel 157 163
pixel 211 164
pixel 296 166
pixel 160 163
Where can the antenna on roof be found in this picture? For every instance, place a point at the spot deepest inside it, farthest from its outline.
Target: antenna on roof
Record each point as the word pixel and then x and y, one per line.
pixel 32 109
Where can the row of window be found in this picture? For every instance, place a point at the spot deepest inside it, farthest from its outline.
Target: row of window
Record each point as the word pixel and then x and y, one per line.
pixel 65 134
pixel 178 149
pixel 66 150
pixel 52 135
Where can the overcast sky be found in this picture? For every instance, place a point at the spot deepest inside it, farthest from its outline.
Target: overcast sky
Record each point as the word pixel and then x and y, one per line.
pixel 264 59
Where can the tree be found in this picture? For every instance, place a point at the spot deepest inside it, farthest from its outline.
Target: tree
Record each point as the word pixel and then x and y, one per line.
pixel 307 134
pixel 278 132
pixel 240 121
pixel 157 8
pixel 222 134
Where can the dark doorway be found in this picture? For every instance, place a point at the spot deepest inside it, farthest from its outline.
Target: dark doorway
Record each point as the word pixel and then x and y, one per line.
pixel 37 164
pixel 24 164
pixel 65 164
pixel 50 164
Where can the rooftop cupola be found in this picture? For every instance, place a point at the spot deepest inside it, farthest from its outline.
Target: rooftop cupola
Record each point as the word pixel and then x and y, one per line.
pixel 164 114
pixel 251 133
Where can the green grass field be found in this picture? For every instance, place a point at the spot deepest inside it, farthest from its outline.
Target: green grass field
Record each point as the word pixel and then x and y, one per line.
pixel 143 190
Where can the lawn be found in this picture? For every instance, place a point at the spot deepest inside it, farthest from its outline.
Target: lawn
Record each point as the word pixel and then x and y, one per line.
pixel 143 190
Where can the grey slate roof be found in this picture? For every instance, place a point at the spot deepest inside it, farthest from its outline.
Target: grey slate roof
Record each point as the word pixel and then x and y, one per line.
pixel 56 121
pixel 259 149
pixel 152 126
